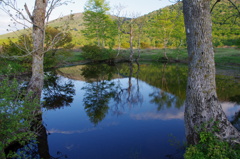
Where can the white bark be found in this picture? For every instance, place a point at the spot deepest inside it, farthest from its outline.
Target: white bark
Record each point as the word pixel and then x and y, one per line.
pixel 202 105
pixel 38 18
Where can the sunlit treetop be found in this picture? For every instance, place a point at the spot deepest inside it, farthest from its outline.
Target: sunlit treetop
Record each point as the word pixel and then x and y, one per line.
pixel 97 6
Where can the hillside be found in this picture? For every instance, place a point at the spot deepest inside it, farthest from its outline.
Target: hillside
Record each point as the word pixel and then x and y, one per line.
pixel 75 23
pixel 165 28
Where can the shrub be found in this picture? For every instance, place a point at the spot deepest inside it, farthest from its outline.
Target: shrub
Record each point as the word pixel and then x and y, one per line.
pixel 125 45
pixel 95 53
pixel 52 59
pixel 92 52
pixel 16 115
pixel 11 67
pixel 145 45
pixel 210 147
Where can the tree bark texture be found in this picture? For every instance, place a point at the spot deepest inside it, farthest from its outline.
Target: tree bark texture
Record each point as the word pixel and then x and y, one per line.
pixel 38 18
pixel 131 42
pixel 202 105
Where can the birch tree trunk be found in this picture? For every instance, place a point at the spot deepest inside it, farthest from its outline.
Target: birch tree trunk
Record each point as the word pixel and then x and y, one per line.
pixel 202 105
pixel 131 42
pixel 38 19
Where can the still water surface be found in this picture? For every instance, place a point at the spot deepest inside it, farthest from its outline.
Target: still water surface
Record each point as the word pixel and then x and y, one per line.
pixel 124 111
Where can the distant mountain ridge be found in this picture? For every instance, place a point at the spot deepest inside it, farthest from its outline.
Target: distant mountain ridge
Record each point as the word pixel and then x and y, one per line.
pixel 226 23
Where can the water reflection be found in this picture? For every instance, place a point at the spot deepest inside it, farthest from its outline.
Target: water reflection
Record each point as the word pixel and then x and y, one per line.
pixel 57 93
pixel 130 108
pixel 236 120
pixel 165 100
pixel 103 86
pixel 98 91
pixel 128 95
pixel 38 149
pixel 157 116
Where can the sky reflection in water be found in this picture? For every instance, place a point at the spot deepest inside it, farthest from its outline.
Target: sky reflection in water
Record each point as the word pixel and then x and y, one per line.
pixel 138 120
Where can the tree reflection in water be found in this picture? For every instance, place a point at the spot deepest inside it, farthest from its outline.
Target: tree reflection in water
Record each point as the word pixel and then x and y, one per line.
pixel 100 89
pixel 55 93
pixel 104 90
pixel 109 89
pixel 164 99
pixel 131 95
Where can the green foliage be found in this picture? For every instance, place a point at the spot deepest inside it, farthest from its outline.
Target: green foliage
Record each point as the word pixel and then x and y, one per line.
pixel 99 27
pixel 161 24
pixel 210 147
pixel 144 45
pixel 16 115
pixel 56 39
pixel 19 51
pixel 92 52
pixel 166 27
pixel 125 45
pixel 95 53
pixel 97 6
pixel 51 59
pixel 11 67
pixel 226 23
pixel 62 40
pixel 238 43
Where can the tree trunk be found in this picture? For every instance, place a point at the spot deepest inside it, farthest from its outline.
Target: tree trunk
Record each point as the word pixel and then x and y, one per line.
pixel 202 105
pixel 42 141
pixel 131 42
pixel 36 83
pixel 38 18
pixel 119 43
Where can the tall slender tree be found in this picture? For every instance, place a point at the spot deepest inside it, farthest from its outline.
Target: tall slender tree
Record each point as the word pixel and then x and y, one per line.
pixel 39 20
pixel 117 12
pixel 202 105
pixel 96 21
pixel 38 35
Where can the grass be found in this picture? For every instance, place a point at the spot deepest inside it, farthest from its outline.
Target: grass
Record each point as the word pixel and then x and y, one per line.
pixel 223 56
pixel 75 57
pixel 157 54
pixel 227 56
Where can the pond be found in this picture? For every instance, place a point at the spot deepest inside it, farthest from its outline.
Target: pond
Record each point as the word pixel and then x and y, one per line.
pixel 126 111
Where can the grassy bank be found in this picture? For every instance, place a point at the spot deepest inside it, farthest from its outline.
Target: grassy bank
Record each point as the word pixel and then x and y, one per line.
pixel 223 56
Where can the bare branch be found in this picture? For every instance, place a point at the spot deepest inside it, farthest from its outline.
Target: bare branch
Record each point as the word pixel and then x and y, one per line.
pixel 214 5
pixel 54 4
pixel 235 6
pixel 228 18
pixel 13 6
pixel 27 10
pixel 9 6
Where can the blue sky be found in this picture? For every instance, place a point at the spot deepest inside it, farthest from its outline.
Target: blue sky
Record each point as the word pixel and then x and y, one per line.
pixel 131 6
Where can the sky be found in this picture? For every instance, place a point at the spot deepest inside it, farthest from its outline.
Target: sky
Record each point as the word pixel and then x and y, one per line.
pixel 139 7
